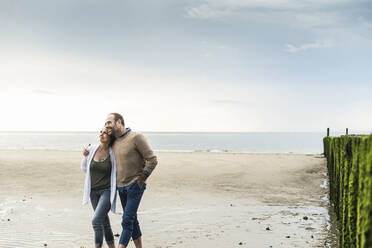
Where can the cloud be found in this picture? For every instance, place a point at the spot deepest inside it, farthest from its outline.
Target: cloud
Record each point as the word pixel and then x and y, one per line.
pixel 206 11
pixel 317 44
pixel 215 9
pixel 306 15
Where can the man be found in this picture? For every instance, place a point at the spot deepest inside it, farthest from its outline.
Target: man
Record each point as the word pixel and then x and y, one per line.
pixel 135 161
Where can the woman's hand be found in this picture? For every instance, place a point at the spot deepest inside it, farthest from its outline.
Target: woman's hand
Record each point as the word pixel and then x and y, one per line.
pixel 86 151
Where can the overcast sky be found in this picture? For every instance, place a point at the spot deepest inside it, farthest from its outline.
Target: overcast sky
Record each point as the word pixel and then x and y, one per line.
pixel 177 65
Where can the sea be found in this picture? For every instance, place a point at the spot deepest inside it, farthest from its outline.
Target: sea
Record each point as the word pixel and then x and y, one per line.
pixel 247 142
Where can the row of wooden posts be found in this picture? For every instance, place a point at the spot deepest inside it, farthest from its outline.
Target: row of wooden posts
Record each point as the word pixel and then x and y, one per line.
pixel 347 131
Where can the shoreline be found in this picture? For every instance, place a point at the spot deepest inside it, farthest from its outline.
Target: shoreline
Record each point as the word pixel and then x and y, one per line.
pixel 179 151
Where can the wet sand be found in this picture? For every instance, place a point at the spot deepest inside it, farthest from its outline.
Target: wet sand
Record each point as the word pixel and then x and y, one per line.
pixel 196 199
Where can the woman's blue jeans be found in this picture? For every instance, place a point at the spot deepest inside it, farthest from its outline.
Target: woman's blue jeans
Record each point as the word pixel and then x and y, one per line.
pixel 100 200
pixel 130 197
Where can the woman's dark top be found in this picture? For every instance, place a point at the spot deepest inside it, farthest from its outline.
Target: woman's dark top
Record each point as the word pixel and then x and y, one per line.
pixel 100 174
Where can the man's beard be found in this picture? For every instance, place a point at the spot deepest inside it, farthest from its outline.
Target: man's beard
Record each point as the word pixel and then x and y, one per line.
pixel 110 130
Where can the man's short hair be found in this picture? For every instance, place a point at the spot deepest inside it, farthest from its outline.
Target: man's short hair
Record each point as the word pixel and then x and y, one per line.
pixel 117 117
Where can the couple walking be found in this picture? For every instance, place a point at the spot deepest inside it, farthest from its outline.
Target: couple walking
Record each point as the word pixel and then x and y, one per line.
pixel 122 161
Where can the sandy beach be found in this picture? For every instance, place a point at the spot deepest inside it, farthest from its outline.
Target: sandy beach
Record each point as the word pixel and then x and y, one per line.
pixel 195 199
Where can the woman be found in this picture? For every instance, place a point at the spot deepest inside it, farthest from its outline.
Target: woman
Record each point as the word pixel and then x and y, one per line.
pixel 100 185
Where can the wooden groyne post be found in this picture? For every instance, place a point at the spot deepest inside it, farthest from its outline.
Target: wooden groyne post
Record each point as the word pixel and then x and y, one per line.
pixel 349 162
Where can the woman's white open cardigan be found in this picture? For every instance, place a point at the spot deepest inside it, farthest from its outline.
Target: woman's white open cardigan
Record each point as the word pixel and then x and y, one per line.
pixel 85 166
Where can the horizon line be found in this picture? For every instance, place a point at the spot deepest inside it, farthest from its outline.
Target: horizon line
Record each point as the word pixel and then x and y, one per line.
pixel 144 131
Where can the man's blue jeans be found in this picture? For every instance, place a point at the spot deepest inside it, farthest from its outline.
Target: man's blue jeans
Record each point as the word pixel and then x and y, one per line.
pixel 130 197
